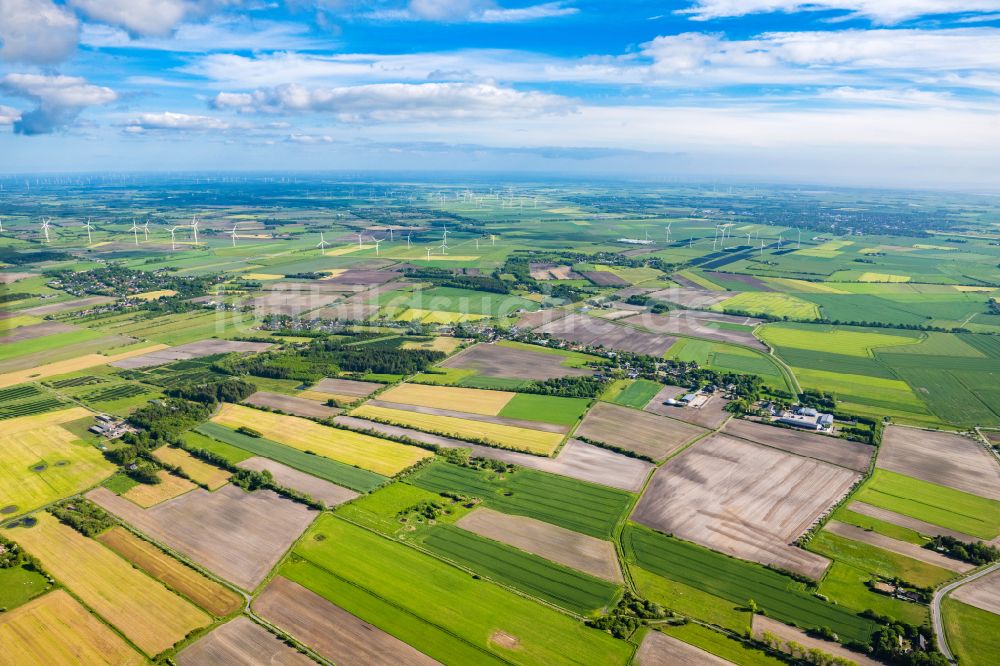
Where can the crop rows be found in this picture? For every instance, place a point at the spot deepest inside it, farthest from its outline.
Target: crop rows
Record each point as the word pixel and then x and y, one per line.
pixel 72 382
pixel 18 392
pixel 29 408
pixel 115 393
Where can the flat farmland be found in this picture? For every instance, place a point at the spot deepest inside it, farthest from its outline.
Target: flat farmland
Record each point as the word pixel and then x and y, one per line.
pixel 523 411
pixel 292 405
pixel 762 624
pixel 64 367
pixel 56 629
pixel 191 350
pixel 842 452
pixel 691 297
pixel 906 522
pixel 493 360
pixel 39 330
pixel 330 630
pixel 210 595
pixel 236 535
pixel 774 304
pixel 973 634
pixel 982 593
pixel 291 302
pixel 572 549
pixel 867 560
pixel 146 612
pixel 149 494
pixel 348 387
pixel 745 500
pixel 371 453
pixel 658 649
pixel 241 641
pixel 942 458
pixel 903 548
pixel 201 472
pixel 592 331
pixel 850 341
pixel 328 493
pixel 472 401
pixel 690 323
pixel 653 436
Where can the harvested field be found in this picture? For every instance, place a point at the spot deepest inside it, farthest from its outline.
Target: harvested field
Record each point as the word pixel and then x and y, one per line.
pixel 491 360
pixel 655 437
pixel 349 311
pixel 236 535
pixel 710 415
pixel 66 306
pixel 149 494
pixel 592 331
pixel 471 416
pixel 904 548
pixel 558 544
pixel 604 279
pixel 201 472
pixel 468 400
pixel 48 362
pixel 547 271
pixel 541 317
pixel 330 630
pixel 146 612
pixel 311 287
pixel 685 322
pixel 33 331
pixel 942 458
pixel 694 298
pixel 982 593
pixel 365 277
pixel 210 595
pixel 291 302
pixel 348 387
pixel 371 453
pixel 919 526
pixel 842 452
pixel 11 277
pixel 240 642
pixel 328 493
pixel 658 649
pixel 762 623
pixel 56 629
pixel 292 405
pixel 754 283
pixel 656 406
pixel 743 499
pixel 191 350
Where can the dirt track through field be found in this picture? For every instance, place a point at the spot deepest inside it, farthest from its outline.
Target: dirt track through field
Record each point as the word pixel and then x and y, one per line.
pixel 577 551
pixel 942 458
pixel 658 649
pixel 240 642
pixel 744 499
pixel 490 360
pixel 330 630
pixel 842 452
pixel 329 493
pixel 647 434
pixel 292 405
pixel 919 526
pixel 910 550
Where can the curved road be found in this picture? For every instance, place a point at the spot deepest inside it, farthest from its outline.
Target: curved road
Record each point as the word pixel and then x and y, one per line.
pixel 942 639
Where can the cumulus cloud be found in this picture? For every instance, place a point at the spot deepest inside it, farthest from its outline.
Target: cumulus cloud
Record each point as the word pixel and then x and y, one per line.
pixel 473 11
pixel 58 99
pixel 156 18
pixel 8 116
pixel 174 122
pixel 396 102
pixel 36 31
pixel 880 11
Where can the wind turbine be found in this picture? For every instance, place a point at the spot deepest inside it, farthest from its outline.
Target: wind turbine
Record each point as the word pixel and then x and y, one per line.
pixel 390 233
pixel 145 230
pixel 359 240
pixel 1 225
pixel 377 243
pixel 173 239
pixel 779 241
pixel 749 233
pixel 444 247
pixel 493 237
pixel 428 254
pixel 233 233
pixel 762 248
pixel 194 227
pixel 408 239
pixel 321 244
pixel 477 242
pixel 135 232
pixel 668 232
pixel 45 228
pixel 798 245
pixel 88 226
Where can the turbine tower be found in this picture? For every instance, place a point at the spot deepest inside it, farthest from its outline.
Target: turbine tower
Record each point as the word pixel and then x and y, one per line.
pixel 668 232
pixel 377 243
pixel 428 254
pixel 89 227
pixel 359 240
pixel 173 239
pixel 232 233
pixel 493 238
pixel 45 228
pixel 408 240
pixel 135 232
pixel 1 225
pixel 194 227
pixel 321 244
pixel 145 230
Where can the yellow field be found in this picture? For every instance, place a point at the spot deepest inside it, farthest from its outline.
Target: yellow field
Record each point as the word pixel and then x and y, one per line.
pixel 535 441
pixel 883 277
pixel 472 401
pixel 322 396
pixel 336 252
pixel 56 629
pixel 450 257
pixel 153 295
pixel 210 475
pixel 924 246
pixel 829 249
pixel 371 453
pixel 964 287
pixel 262 276
pixel 803 286
pixel 148 494
pixel 437 316
pixel 441 344
pixel 20 320
pixel 70 365
pixel 213 597
pixel 66 464
pixel 146 612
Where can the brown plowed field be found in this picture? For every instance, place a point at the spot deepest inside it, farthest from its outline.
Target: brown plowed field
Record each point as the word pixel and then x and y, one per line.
pixel 658 649
pixel 330 630
pixel 942 458
pixel 192 350
pixel 744 499
pixel 329 493
pixel 904 548
pixel 686 322
pixel 982 593
pixel 688 297
pixel 491 360
pixel 575 550
pixel 291 404
pixel 33 331
pixel 919 526
pixel 646 434
pixel 66 306
pixel 604 278
pixel 541 317
pixel 852 455
pixel 291 302
pixel 238 643
pixel 593 331
pixel 236 535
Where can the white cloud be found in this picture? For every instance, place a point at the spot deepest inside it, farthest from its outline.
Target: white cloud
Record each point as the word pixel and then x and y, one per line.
pixel 36 31
pixel 175 122
pixel 141 17
pixel 397 102
pixel 8 116
pixel 219 33
pixel 310 139
pixel 472 11
pixel 59 100
pixel 880 11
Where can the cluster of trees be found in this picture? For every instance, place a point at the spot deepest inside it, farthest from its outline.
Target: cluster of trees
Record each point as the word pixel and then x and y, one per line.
pixel 250 480
pixel 164 419
pixel 617 449
pixel 895 642
pixel 567 387
pixel 82 515
pixel 15 258
pixel 803 653
pixel 12 556
pixel 446 278
pixel 230 389
pixel 977 553
pixel 305 276
pixel 628 615
pixel 657 307
pixel 13 296
pixel 994 305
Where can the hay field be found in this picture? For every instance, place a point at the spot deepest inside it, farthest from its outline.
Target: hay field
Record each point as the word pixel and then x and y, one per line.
pixel 647 434
pixel 558 544
pixel 744 499
pixel 438 343
pixel 906 522
pixel 533 441
pixel 41 372
pixel 377 455
pixel 149 494
pixel 658 649
pixel 153 295
pixel 56 629
pixel 942 458
pixel 41 462
pixel 210 595
pixel 472 401
pixel 210 475
pixel 238 642
pixel 236 535
pixel 329 493
pixel 146 612
pixel 842 452
pixel 330 630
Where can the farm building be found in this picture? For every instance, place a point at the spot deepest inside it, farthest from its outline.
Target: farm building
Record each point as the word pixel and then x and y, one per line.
pixel 807 418
pixel 110 427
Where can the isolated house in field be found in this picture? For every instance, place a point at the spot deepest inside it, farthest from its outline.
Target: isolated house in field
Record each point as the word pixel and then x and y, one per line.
pixel 807 418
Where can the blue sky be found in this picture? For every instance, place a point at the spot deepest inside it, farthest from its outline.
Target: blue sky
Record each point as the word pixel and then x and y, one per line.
pixel 860 92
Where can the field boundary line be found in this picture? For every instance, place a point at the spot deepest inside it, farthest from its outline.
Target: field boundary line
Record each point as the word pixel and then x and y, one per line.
pixel 939 595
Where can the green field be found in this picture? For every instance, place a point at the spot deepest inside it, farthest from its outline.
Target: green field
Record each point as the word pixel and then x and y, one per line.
pixel 690 601
pixel 845 584
pixel 635 394
pixel 324 468
pixel 535 576
pixel 575 505
pixel 465 301
pixel 850 341
pixel 545 408
pixel 878 561
pixel 932 503
pixel 845 515
pixel 773 304
pixel 437 608
pixel 11 350
pixel 19 585
pixel 379 510
pixel 973 634
pixel 721 645
pixel 231 453
pixel 738 581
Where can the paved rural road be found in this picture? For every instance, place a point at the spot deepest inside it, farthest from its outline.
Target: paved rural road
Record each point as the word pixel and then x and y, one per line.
pixel 936 607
